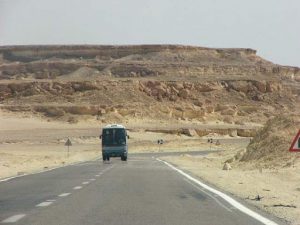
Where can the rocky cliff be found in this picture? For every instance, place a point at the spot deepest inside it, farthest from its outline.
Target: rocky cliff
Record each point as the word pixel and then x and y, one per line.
pixel 172 62
pixel 166 82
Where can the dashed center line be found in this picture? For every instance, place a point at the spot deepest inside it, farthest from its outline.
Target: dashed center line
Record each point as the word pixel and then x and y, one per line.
pixel 77 187
pixel 48 202
pixel 14 218
pixel 44 204
pixel 64 194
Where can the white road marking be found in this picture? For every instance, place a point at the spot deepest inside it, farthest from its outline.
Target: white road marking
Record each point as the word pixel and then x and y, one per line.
pixel 77 187
pixel 137 160
pixel 64 194
pixel 97 175
pixel 87 163
pixel 44 204
pixel 108 168
pixel 213 197
pixel 227 198
pixel 51 200
pixel 92 179
pixel 86 182
pixel 14 218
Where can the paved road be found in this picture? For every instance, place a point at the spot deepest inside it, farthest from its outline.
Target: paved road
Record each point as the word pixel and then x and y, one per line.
pixel 140 191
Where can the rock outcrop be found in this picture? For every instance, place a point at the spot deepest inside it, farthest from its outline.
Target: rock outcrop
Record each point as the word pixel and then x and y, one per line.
pixel 166 82
pixel 50 62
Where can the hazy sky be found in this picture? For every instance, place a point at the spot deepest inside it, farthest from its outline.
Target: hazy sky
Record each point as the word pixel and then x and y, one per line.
pixel 270 26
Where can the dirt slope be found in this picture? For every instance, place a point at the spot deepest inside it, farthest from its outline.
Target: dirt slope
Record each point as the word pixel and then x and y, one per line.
pixel 269 148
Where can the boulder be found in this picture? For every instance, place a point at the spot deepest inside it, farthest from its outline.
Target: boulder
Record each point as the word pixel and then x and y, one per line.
pixel 246 132
pixel 189 132
pixel 241 86
pixel 233 133
pixel 227 166
pixel 202 133
pixel 261 86
pixel 240 154
pixel 184 93
pixel 173 98
pixel 178 86
pixel 207 101
pixel 188 85
pixel 198 103
pixel 209 109
pixel 272 86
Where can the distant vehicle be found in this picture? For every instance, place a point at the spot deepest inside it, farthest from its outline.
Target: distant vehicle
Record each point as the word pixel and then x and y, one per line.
pixel 114 142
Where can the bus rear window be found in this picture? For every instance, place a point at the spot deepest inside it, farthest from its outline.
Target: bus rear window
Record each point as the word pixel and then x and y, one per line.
pixel 113 137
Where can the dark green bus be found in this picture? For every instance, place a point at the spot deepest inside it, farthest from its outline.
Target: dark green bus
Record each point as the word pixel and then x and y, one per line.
pixel 114 142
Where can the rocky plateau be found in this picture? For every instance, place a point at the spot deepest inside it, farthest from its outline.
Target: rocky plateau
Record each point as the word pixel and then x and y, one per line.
pixel 179 84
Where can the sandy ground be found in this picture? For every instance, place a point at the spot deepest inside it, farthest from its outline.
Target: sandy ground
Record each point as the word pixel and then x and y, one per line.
pixel 20 159
pixel 280 188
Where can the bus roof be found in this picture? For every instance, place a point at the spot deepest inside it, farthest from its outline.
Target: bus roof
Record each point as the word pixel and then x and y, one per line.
pixel 110 126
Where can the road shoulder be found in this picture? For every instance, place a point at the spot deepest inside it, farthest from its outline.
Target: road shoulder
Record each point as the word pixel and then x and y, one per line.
pixel 242 183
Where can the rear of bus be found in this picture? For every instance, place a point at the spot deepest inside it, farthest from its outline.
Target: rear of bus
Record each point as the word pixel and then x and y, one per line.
pixel 114 142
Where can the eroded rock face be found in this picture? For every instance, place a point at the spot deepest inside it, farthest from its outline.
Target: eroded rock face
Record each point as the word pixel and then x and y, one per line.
pixel 50 62
pixel 166 82
pixel 183 90
pixel 39 88
pixel 183 100
pixel 247 87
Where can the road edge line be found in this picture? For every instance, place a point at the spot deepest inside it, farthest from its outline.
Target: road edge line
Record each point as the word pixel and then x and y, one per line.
pixel 227 198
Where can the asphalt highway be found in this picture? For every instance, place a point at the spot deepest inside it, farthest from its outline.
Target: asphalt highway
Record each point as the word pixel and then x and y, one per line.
pixel 141 191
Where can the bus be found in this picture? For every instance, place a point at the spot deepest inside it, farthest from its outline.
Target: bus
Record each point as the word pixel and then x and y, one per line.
pixel 114 142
